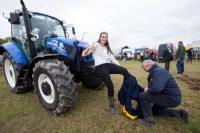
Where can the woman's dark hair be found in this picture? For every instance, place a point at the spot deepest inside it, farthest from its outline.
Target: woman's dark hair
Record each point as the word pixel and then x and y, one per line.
pixel 106 44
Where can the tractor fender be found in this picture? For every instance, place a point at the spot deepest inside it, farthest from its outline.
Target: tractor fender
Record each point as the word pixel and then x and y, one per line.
pixel 15 51
pixel 41 57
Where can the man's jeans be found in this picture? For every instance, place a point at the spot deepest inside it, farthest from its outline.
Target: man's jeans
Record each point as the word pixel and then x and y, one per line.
pixel 180 66
pixel 160 106
pixel 190 59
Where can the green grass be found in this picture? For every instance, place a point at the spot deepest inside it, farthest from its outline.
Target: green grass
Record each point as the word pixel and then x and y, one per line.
pixel 23 112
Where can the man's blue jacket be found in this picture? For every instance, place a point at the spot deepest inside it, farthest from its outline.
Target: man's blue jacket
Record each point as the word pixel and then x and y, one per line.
pixel 130 91
pixel 161 81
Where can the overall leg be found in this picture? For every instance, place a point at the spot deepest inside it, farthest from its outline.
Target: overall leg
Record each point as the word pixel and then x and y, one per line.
pixel 191 59
pixel 103 72
pixel 146 99
pixel 178 66
pixel 164 111
pixel 182 66
pixel 142 58
pixel 115 69
pixel 161 104
pixel 167 65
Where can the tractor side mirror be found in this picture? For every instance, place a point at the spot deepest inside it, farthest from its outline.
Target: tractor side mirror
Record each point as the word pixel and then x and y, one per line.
pixel 64 28
pixel 73 30
pixel 14 18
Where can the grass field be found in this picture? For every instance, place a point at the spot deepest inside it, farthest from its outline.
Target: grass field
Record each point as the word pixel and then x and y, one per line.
pixel 22 113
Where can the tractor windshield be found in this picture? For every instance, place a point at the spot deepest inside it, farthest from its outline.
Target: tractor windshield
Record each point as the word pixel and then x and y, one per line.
pixel 46 26
pixel 43 27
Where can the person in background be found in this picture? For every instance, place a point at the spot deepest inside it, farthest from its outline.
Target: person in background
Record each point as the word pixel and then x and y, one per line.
pixel 180 55
pixel 125 56
pixel 156 58
pixel 190 53
pixel 104 66
pixel 163 92
pixel 152 53
pixel 167 55
pixel 141 55
pixel 135 55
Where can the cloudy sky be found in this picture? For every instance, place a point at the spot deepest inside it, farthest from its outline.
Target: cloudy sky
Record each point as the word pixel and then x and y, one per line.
pixel 132 23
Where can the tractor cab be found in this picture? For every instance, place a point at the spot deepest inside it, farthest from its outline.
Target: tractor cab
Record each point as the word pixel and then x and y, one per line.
pixel 40 29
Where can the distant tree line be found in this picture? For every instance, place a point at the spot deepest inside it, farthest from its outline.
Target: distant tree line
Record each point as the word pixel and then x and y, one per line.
pixel 7 39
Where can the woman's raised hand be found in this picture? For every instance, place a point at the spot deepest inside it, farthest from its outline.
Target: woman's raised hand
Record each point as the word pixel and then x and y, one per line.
pixel 93 46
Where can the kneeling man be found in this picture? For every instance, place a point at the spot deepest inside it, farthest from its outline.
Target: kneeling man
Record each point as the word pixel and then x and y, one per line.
pixel 163 92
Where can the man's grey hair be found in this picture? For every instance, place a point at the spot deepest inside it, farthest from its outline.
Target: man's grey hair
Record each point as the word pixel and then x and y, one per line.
pixel 147 62
pixel 169 44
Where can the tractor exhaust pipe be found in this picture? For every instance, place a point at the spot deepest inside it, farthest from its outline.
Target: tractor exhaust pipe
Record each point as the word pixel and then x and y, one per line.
pixel 22 3
pixel 28 29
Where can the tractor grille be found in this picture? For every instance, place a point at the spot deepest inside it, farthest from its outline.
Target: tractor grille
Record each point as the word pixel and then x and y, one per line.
pixel 68 48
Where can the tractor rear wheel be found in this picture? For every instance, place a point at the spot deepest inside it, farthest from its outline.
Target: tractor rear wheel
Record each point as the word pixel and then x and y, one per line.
pixel 54 85
pixel 11 73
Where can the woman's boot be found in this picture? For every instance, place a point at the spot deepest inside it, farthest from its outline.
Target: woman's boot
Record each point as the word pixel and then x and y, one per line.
pixel 112 108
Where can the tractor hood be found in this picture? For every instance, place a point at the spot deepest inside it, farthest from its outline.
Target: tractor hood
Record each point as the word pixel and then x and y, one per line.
pixel 65 47
pixel 60 42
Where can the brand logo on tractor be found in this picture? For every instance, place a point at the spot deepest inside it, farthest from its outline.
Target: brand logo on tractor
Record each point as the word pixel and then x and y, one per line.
pixel 55 44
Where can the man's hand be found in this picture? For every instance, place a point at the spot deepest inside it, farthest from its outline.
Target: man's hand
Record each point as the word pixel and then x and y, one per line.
pixel 178 59
pixel 92 47
pixel 145 89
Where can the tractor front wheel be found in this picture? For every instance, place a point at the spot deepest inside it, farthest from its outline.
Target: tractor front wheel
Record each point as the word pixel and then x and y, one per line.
pixel 54 85
pixel 11 73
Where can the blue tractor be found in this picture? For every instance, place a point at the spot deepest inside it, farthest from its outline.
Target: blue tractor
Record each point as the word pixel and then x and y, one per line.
pixel 46 55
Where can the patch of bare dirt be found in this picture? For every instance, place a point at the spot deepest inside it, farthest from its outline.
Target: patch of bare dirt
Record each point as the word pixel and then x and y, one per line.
pixel 196 73
pixel 193 82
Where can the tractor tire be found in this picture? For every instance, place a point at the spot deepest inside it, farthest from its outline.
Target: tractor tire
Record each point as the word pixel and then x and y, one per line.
pixel 54 85
pixel 11 73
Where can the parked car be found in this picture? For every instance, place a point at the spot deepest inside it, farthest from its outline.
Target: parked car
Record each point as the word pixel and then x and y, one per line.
pixel 129 53
pixel 161 49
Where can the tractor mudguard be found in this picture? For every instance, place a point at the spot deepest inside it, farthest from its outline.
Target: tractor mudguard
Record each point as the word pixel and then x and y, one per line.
pixel 15 51
pixel 41 57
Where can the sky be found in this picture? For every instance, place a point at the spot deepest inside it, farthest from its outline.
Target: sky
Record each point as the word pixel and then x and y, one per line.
pixel 133 23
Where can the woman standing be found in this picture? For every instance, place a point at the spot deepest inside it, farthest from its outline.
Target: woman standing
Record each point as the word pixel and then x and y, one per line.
pixel 104 60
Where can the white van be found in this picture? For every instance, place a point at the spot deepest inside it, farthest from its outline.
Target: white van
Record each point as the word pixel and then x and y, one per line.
pixel 116 53
pixel 129 52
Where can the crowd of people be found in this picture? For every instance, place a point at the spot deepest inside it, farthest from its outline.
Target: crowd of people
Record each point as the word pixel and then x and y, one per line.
pixel 157 99
pixel 148 54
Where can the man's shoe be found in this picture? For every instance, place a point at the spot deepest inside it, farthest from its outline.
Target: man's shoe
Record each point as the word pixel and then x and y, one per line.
pixel 178 75
pixel 184 115
pixel 146 123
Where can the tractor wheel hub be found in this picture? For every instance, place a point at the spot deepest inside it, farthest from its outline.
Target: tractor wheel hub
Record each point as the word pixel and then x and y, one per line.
pixel 46 88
